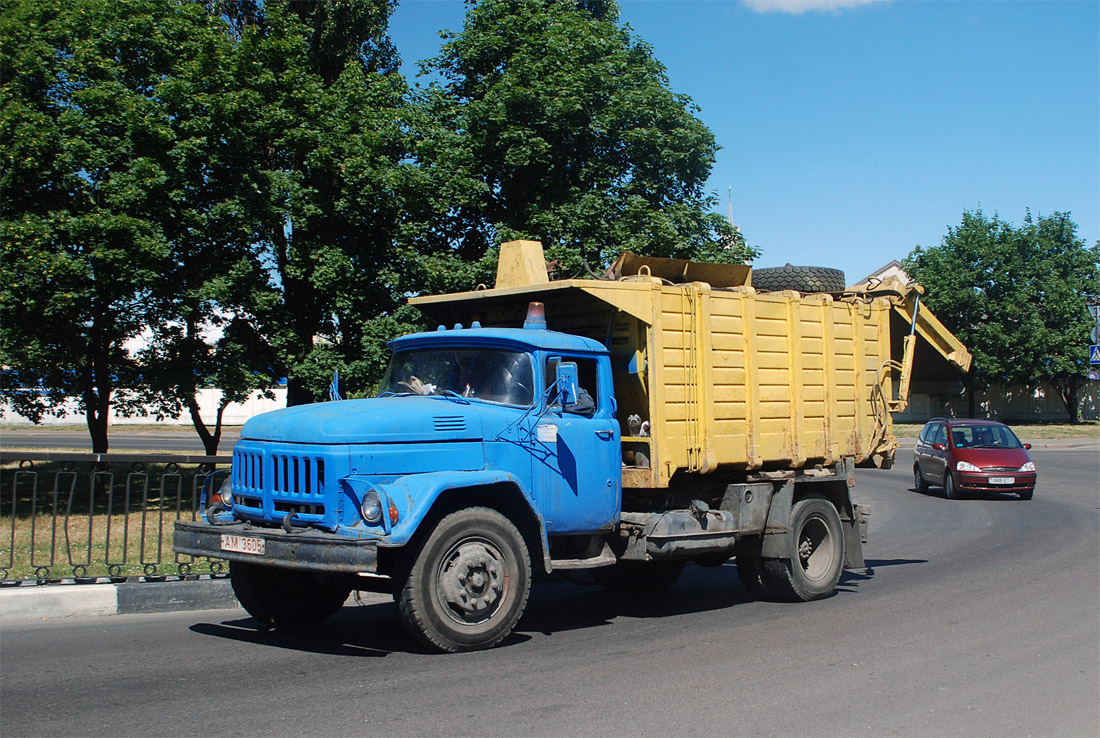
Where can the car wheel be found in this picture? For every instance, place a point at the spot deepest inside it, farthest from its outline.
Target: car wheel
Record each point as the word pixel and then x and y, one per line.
pixel 1026 494
pixel 949 490
pixel 918 480
pixel 816 559
pixel 467 583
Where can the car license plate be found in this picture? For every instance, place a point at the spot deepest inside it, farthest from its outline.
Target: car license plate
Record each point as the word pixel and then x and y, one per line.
pixel 242 544
pixel 1002 480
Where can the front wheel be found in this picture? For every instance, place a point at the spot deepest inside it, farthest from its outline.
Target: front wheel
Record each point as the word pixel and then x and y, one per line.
pixel 467 583
pixel 816 561
pixel 287 597
pixel 949 490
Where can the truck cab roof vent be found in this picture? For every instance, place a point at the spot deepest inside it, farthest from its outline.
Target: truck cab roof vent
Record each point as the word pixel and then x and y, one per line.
pixel 449 423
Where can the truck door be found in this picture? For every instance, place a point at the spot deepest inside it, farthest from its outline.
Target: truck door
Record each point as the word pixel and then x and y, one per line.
pixel 577 457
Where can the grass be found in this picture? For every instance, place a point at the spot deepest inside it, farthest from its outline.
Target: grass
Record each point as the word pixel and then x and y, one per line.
pixel 62 520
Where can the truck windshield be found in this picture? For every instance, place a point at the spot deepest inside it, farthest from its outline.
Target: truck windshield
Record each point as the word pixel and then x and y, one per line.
pixel 493 375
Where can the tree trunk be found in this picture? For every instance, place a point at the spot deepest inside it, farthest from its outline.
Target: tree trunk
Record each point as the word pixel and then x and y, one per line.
pixel 97 398
pixel 968 383
pixel 210 440
pixel 1067 393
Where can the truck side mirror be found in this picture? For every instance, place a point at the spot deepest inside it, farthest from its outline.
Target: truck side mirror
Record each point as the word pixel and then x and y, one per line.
pixel 567 379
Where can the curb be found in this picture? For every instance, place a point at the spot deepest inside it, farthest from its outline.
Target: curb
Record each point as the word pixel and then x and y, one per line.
pixel 66 600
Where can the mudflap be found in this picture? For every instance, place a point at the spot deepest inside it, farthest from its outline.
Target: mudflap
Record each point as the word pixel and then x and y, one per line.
pixel 855 535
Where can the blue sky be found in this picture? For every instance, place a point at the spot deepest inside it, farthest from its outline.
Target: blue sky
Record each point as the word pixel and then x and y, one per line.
pixel 854 130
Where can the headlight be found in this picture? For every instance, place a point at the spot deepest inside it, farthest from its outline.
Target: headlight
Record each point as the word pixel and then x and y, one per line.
pixel 1029 466
pixel 966 466
pixel 224 494
pixel 371 507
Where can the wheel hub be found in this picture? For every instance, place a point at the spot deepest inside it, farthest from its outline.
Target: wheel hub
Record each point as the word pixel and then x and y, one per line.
pixel 471 581
pixel 815 548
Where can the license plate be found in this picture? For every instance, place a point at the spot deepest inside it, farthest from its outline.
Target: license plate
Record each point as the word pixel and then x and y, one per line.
pixel 242 544
pixel 1002 480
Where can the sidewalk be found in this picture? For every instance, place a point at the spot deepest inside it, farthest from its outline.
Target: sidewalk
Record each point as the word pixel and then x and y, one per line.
pixel 68 599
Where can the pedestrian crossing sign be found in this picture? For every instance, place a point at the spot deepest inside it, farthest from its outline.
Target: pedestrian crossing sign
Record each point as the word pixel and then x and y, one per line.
pixel 1094 354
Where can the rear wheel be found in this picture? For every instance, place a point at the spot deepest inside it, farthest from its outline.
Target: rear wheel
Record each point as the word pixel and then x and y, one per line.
pixel 287 597
pixel 467 583
pixel 816 545
pixel 753 578
pixel 918 480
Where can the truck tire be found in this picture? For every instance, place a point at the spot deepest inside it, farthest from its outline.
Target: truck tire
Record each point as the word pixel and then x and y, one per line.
pixel 639 577
pixel 287 597
pixel 816 545
pixel 465 585
pixel 801 278
pixel 751 571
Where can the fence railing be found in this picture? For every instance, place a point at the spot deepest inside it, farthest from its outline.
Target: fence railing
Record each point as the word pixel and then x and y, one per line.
pixel 88 516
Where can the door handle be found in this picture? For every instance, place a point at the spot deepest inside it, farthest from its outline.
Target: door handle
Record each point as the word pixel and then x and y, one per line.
pixel 606 434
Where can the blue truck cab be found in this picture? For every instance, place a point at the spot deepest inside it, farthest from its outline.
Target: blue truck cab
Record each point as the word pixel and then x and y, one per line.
pixel 486 451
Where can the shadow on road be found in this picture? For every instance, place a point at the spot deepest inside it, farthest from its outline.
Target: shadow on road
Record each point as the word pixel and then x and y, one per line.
pixel 556 605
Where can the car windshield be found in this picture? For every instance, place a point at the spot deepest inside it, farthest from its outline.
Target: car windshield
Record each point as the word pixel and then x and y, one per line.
pixel 494 375
pixel 984 436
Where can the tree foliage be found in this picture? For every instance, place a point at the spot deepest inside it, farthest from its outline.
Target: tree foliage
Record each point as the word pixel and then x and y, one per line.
pixel 573 137
pixel 88 173
pixel 330 169
pixel 247 189
pixel 1017 297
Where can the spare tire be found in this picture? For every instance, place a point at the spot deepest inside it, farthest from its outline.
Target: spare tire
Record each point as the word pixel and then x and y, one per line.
pixel 801 278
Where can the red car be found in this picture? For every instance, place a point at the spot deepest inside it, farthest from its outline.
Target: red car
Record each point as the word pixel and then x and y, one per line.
pixel 972 456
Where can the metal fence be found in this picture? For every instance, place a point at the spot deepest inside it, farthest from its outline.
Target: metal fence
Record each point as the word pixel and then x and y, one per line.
pixel 88 516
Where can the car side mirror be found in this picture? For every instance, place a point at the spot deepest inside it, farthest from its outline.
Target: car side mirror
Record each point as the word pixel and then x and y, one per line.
pixel 1027 446
pixel 567 378
pixel 939 447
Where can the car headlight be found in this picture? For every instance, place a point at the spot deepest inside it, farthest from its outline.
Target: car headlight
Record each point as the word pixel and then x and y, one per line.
pixel 966 466
pixel 1029 466
pixel 224 495
pixel 371 507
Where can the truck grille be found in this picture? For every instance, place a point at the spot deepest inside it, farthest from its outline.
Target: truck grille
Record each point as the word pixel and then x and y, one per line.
pixel 294 483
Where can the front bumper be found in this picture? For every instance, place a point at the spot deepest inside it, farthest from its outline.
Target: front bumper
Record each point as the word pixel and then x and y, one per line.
pixel 973 482
pixel 308 549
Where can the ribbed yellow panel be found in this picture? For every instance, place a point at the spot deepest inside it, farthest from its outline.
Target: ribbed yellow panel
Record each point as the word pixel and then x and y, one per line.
pixel 791 378
pixel 727 378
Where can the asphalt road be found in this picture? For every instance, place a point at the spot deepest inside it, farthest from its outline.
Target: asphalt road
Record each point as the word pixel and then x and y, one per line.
pixel 175 438
pixel 978 617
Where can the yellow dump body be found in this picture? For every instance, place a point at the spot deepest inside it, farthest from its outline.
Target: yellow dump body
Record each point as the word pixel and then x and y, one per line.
pixel 728 379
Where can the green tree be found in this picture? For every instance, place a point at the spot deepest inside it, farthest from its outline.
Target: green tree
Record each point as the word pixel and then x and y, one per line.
pixel 1017 297
pixel 327 121
pixel 87 171
pixel 566 122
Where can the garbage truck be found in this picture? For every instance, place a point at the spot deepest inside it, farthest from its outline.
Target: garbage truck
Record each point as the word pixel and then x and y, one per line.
pixel 615 428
